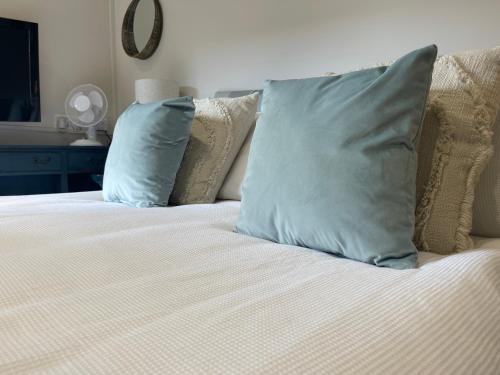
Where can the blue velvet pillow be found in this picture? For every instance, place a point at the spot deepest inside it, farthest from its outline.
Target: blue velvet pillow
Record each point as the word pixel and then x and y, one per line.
pixel 147 149
pixel 332 165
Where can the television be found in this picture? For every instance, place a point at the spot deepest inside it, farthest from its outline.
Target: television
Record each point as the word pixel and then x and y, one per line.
pixel 19 72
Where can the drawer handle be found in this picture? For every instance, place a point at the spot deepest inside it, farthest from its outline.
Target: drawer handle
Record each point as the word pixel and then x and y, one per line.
pixel 42 161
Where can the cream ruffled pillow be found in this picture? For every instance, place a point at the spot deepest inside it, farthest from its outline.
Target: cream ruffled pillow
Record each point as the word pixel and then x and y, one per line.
pixel 455 146
pixel 219 129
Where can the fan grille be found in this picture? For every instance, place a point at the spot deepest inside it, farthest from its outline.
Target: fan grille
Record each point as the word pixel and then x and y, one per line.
pixel 86 106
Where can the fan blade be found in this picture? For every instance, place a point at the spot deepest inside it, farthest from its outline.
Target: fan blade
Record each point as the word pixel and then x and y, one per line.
pixel 96 99
pixel 87 117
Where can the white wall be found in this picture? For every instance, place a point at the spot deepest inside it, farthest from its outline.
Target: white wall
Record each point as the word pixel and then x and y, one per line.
pixel 210 45
pixel 234 44
pixel 75 48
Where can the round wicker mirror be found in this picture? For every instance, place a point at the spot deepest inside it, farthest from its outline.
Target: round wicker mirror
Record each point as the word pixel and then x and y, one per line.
pixel 142 28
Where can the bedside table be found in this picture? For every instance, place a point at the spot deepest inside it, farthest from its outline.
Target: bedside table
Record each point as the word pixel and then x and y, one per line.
pixel 28 170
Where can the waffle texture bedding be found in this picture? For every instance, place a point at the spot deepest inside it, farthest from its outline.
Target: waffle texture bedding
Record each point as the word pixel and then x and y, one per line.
pixel 88 287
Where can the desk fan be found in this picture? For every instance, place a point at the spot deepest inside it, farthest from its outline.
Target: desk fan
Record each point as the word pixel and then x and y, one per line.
pixel 86 106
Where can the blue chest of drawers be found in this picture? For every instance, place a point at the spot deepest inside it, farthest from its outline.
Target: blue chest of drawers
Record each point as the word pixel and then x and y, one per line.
pixel 50 169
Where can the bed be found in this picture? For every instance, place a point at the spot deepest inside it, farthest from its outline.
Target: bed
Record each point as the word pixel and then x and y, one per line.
pixel 89 287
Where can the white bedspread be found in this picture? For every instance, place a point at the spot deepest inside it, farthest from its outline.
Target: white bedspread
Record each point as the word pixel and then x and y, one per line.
pixel 88 287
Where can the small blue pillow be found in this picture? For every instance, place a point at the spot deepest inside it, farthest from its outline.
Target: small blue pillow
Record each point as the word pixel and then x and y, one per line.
pixel 147 149
pixel 332 165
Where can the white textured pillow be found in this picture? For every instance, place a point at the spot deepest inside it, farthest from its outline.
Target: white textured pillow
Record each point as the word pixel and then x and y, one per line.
pixel 231 189
pixel 219 129
pixel 486 220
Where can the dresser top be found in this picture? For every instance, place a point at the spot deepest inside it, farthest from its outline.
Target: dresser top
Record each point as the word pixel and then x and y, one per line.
pixel 52 148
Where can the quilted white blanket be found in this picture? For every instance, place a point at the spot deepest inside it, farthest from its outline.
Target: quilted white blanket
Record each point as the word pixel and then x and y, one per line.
pixel 88 287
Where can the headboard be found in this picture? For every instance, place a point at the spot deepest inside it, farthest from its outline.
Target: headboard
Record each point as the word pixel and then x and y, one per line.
pixel 238 93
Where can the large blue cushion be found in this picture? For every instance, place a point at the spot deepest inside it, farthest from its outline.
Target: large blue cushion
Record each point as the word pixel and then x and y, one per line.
pixel 147 149
pixel 332 165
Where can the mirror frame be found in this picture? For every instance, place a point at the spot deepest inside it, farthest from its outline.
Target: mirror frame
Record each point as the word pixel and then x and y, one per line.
pixel 128 37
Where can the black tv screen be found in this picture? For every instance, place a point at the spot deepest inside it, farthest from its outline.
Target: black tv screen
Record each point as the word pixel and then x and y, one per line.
pixel 19 72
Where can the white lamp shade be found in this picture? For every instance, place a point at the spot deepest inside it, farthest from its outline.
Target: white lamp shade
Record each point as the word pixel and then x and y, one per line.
pixel 152 90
